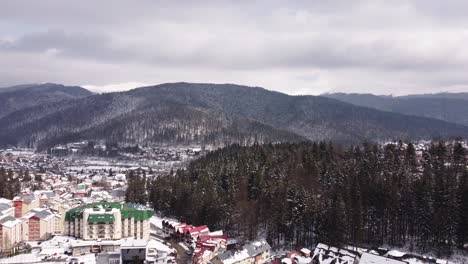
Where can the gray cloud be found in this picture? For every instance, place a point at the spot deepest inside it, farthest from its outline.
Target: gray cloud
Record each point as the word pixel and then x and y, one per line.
pixel 305 47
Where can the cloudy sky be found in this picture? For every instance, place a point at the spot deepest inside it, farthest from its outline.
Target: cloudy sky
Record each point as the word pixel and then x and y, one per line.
pixel 297 47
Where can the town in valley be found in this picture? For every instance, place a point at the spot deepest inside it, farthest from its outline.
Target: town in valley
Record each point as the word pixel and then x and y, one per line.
pixel 234 132
pixel 65 205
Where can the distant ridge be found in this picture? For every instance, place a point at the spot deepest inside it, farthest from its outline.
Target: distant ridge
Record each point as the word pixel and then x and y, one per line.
pixel 220 114
pixel 450 107
pixel 19 97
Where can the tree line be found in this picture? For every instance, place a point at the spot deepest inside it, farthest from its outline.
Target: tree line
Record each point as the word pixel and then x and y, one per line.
pixel 10 184
pixel 299 194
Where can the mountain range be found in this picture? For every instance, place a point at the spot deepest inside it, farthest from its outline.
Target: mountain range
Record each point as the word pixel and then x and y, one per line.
pixel 23 96
pixel 450 107
pixel 44 115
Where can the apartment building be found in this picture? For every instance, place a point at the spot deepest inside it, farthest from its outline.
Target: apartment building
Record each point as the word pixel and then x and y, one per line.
pixel 24 203
pixel 108 221
pixel 10 232
pixel 38 225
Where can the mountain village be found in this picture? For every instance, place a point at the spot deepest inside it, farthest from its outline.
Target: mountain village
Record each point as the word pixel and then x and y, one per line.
pixel 74 211
pixel 233 132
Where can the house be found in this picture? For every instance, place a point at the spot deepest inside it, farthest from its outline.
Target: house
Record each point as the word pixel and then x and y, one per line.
pixel 59 209
pixel 144 251
pixel 7 209
pixel 298 257
pixel 305 252
pixel 257 252
pixel 208 246
pixel 10 232
pixel 170 226
pixel 203 256
pixel 181 231
pixel 79 193
pixel 38 225
pixel 194 232
pixel 45 196
pixel 327 254
pixel 368 258
pixel 119 193
pixel 412 258
pixel 24 203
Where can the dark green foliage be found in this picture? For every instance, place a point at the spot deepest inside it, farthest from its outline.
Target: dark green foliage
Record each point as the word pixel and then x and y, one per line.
pixel 136 187
pixel 9 184
pixel 299 194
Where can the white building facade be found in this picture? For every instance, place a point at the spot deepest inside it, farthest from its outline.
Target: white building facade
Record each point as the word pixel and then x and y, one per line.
pixel 108 221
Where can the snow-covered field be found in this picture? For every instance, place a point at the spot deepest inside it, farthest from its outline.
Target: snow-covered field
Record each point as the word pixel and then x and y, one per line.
pixel 36 258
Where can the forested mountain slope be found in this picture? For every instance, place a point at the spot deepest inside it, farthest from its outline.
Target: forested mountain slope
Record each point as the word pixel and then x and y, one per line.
pixel 301 194
pixel 185 113
pixel 24 96
pixel 445 106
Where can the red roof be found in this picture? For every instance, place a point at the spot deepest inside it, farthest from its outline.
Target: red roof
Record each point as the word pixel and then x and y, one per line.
pixel 204 238
pixel 199 229
pixel 184 228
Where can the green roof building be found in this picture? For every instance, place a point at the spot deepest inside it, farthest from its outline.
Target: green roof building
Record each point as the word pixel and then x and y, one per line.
pixel 108 221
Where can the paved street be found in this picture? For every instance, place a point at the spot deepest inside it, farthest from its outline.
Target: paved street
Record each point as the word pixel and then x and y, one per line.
pixel 182 257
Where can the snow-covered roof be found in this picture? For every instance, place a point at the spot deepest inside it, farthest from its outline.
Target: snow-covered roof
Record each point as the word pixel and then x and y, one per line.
pixel 134 243
pixel 396 253
pixel 52 250
pixel 229 257
pixel 302 260
pixel 306 251
pixel 251 250
pixel 367 258
pixel 11 223
pixel 326 254
pixel 5 207
pixel 216 233
pixel 87 243
pixel 159 246
pixel 45 215
pixel 257 247
pixel 195 231
pixel 5 201
pixel 6 218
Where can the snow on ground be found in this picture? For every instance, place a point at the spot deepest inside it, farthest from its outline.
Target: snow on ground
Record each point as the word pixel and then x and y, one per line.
pixel 88 258
pixel 54 247
pixel 156 221
pixel 160 246
pixel 23 258
pixel 35 258
pixel 458 257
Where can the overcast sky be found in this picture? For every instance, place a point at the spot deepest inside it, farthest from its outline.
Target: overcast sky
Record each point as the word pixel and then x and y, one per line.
pixel 296 47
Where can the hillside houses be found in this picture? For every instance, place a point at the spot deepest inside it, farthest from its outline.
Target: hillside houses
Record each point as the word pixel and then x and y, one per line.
pixel 183 231
pixel 208 246
pixel 212 247
pixel 325 254
pixel 368 258
pixel 328 254
pixel 257 252
pixel 36 225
